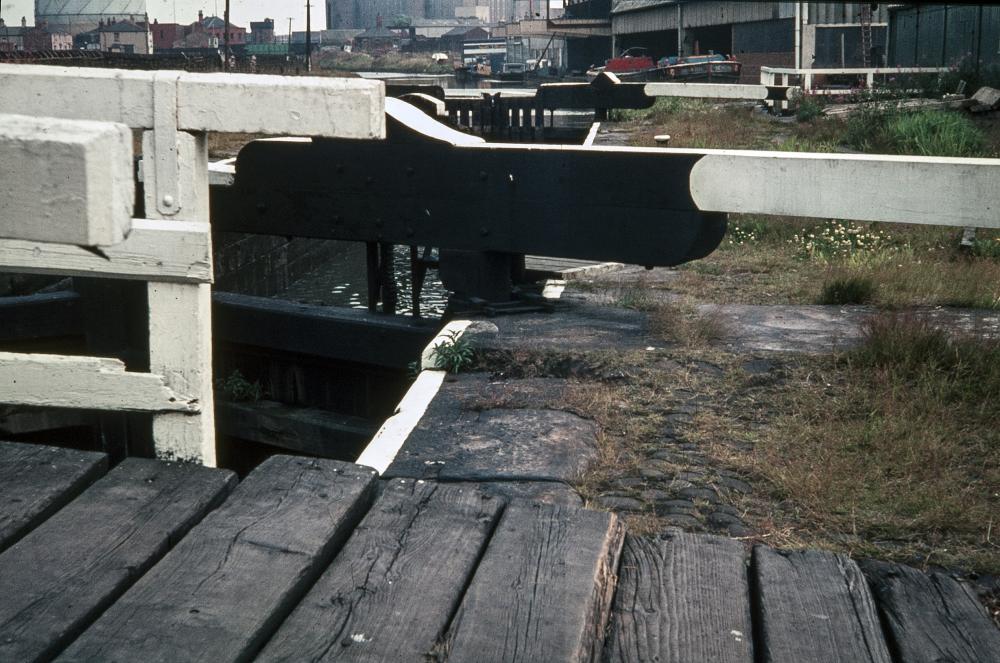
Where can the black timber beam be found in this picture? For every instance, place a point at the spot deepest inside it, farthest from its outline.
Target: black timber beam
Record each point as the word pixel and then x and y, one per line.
pixel 49 315
pixel 304 430
pixel 429 185
pixel 321 331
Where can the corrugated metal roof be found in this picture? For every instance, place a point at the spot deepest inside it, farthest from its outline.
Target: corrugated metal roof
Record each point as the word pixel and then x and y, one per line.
pixel 92 7
pixel 622 6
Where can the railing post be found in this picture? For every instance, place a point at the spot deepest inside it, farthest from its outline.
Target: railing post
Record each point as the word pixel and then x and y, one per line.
pixel 180 323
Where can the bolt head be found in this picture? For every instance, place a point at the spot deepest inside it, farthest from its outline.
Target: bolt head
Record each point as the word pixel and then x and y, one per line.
pixel 168 200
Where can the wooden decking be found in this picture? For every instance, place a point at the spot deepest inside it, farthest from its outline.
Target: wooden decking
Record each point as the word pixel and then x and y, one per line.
pixel 310 560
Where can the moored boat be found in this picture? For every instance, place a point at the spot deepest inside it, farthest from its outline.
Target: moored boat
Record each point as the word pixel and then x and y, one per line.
pixel 635 65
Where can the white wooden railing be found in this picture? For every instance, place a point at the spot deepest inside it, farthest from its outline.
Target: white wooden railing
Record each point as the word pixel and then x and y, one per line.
pixel 66 165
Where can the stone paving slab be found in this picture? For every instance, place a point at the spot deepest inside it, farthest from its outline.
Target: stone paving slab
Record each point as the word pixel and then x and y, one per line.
pixel 470 433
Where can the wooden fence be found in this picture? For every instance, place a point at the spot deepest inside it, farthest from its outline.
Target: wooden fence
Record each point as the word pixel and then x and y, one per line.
pixel 66 156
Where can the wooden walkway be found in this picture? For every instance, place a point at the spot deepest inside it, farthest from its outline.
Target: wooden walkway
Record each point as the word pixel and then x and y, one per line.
pixel 317 560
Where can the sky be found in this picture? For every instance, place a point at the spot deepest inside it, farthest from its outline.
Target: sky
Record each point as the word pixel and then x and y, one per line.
pixel 186 11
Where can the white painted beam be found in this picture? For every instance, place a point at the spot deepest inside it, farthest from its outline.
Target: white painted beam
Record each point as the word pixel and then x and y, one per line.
pixel 90 383
pixel 713 91
pixel 273 105
pixel 172 251
pixel 861 187
pixel 281 105
pixel 855 70
pixel 66 181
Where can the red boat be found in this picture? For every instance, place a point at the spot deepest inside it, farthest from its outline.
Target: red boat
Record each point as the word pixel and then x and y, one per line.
pixel 636 65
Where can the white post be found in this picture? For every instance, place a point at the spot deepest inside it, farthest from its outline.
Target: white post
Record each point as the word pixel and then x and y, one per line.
pixel 180 321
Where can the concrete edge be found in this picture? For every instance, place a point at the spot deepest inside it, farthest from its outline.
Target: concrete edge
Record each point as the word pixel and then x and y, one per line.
pixel 580 272
pixel 389 439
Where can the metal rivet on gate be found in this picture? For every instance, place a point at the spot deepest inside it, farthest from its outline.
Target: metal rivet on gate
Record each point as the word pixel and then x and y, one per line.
pixel 482 175
pixel 261 207
pixel 409 170
pixel 168 200
pixel 484 231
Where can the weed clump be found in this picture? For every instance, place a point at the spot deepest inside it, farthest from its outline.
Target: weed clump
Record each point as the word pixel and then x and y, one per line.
pixel 454 353
pixel 935 133
pixel 238 389
pixel 848 290
pixel 809 109
pixel 962 367
pixel 686 325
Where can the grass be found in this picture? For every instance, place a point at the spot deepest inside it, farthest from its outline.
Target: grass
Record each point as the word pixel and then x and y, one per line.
pixel 847 290
pixel 774 260
pixel 683 324
pixel 877 126
pixel 892 449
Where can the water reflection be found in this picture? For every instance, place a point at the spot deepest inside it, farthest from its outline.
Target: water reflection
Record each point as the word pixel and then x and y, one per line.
pixel 342 282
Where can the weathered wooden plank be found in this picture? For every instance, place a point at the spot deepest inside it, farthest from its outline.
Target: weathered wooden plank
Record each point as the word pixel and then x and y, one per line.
pixel 172 251
pixel 65 181
pixel 227 586
pixel 180 315
pixel 931 617
pixel 307 430
pixel 681 597
pixel 61 576
pixel 282 105
pixel 543 588
pixel 276 105
pixel 40 316
pixel 391 592
pixel 36 481
pixel 814 606
pixel 92 383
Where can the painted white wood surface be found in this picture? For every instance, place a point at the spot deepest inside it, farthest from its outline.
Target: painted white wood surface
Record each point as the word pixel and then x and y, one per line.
pixel 154 251
pixel 713 91
pixel 93 383
pixel 897 189
pixel 180 349
pixel 299 105
pixel 66 181
pixel 275 105
pixel 180 315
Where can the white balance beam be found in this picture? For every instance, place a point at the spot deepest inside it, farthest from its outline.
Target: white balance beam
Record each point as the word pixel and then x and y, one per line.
pixel 92 383
pixel 273 105
pixel 941 191
pixel 716 91
pixel 64 181
pixel 162 251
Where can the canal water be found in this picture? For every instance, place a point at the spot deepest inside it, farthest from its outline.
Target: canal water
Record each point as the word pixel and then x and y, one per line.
pixel 342 282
